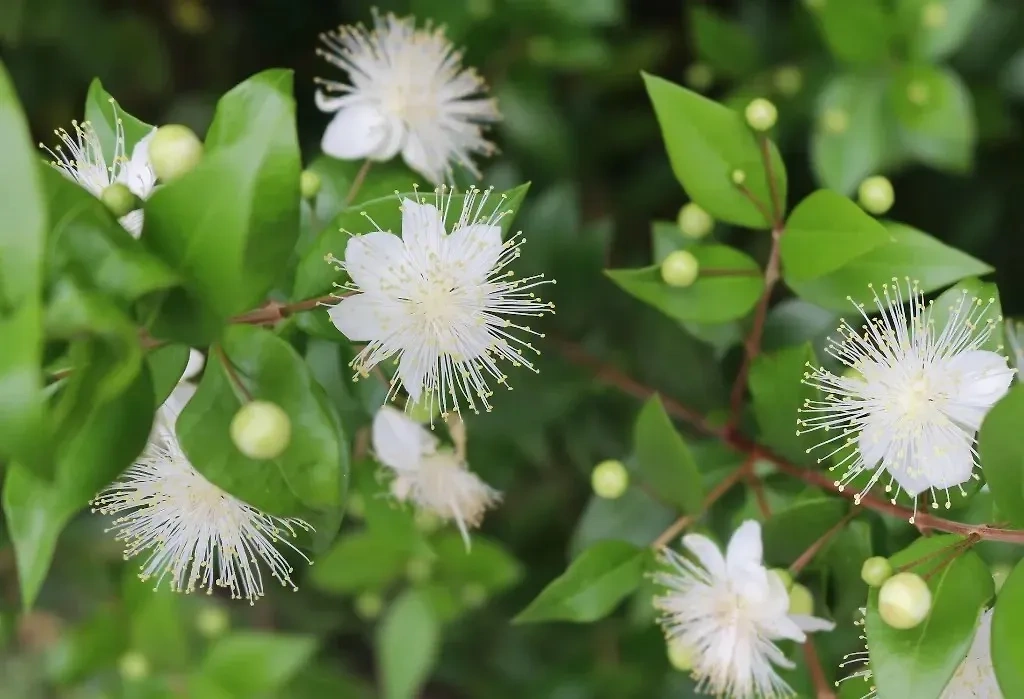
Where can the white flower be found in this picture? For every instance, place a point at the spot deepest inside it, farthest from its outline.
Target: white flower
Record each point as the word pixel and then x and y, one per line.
pixel 84 164
pixel 192 532
pixel 729 612
pixel 974 678
pixel 441 302
pixel 916 396
pixel 409 93
pixel 434 479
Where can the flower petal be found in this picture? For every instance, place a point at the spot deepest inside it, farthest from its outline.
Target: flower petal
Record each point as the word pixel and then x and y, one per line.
pixel 417 157
pixel 411 372
pixel 399 441
pixel 377 262
pixel 137 173
pixel 355 132
pixel 873 442
pixel 810 624
pixel 940 457
pixel 744 551
pixel 422 232
pixel 471 252
pixel 783 627
pixel 707 553
pixel 980 379
pixel 394 138
pixel 329 103
pixel 366 317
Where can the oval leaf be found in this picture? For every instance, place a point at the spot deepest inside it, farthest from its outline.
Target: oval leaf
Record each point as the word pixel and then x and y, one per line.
pixel 1002 454
pixel 1007 640
pixel 407 645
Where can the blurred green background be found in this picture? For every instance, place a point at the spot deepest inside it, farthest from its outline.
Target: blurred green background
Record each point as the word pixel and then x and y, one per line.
pixel 578 124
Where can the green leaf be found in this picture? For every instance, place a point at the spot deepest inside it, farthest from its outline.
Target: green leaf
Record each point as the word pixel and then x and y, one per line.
pixel 778 394
pixel 315 277
pixel 789 532
pixel 706 143
pixel 1002 453
pixel 711 299
pixel 634 517
pixel 366 560
pixel 228 226
pixel 919 662
pixel 937 42
pixel 408 640
pixel 1007 641
pixel 941 131
pixel 487 563
pixel 254 663
pixel 312 473
pixel 664 460
pixel 23 229
pixel 911 253
pixel 166 365
pixel 723 44
pixel 107 118
pixel 857 31
pixel 337 177
pixel 156 622
pixel 89 647
pixel 37 510
pixel 842 159
pixel 593 585
pixel 824 233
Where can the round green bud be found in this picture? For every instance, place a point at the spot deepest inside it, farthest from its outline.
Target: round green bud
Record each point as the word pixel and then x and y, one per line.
pixel 800 600
pixel 474 595
pixel 173 151
pixel 680 655
pixel 835 120
pixel 119 199
pixel 784 576
pixel 875 571
pixel 609 479
pixel 261 430
pixel 761 114
pixel 918 93
pixel 418 570
pixel 694 221
pixel 699 76
pixel 423 410
pixel 934 15
pixel 1000 572
pixel 738 176
pixel 788 80
pixel 212 621
pixel 369 605
pixel 904 601
pixel 133 666
pixel 876 194
pixel 680 269
pixel 309 184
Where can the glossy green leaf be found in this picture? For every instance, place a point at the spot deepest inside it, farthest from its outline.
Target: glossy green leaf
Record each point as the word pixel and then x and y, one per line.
pixel 231 249
pixel 407 643
pixel 941 39
pixel 857 31
pixel 778 394
pixel 824 233
pixel 1002 453
pixel 664 459
pixel 23 230
pixel 255 663
pixel 312 473
pixel 166 365
pixel 789 532
pixel 935 114
pixel 365 560
pixel 1007 641
pixel 706 143
pixel 918 662
pixel 593 585
pixel 722 43
pixel 108 118
pixel 711 299
pixel 911 253
pixel 487 563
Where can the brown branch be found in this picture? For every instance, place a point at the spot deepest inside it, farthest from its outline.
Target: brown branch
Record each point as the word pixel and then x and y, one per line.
pixel 717 492
pixel 822 688
pixel 745 191
pixel 273 311
pixel 814 549
pixel 762 501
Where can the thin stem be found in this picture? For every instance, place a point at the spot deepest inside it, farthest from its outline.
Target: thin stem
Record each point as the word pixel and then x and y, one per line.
pixel 773 187
pixel 759 496
pixel 717 492
pixel 745 191
pixel 232 373
pixel 814 549
pixel 822 688
pixel 357 183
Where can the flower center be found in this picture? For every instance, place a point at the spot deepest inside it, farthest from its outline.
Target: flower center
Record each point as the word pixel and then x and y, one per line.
pixel 916 397
pixel 436 303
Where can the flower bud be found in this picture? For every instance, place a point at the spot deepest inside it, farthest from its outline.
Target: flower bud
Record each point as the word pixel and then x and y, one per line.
pixel 261 430
pixel 212 621
pixel 369 605
pixel 738 177
pixel 918 93
pixel 680 655
pixel 800 600
pixel 119 199
pixel 788 80
pixel 835 120
pixel 784 576
pixel 173 151
pixel 875 571
pixel 609 479
pixel 418 570
pixel 699 76
pixel 309 184
pixel 133 666
pixel 427 522
pixel 904 601
pixel 934 15
pixel 694 221
pixel 761 114
pixel 474 595
pixel 680 269
pixel 876 195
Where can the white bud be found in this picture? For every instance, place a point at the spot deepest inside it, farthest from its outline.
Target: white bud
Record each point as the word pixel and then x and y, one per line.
pixel 173 151
pixel 261 430
pixel 609 479
pixel 761 114
pixel 904 601
pixel 694 221
pixel 680 269
pixel 876 195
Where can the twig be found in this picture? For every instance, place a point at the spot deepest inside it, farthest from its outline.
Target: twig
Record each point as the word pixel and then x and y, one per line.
pixel 718 491
pixel 762 501
pixel 357 183
pixel 822 688
pixel 814 549
pixel 773 188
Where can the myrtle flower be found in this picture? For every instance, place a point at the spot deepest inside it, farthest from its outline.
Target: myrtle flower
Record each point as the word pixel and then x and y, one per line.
pixel 407 93
pixel 915 397
pixel 442 302
pixel 435 479
pixel 84 164
pixel 191 532
pixel 728 612
pixel 974 678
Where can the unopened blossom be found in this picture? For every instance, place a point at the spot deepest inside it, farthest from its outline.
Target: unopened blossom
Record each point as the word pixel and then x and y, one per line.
pixel 433 478
pixel 407 93
pixel 729 612
pixel 188 531
pixel 79 156
pixel 443 304
pixel 911 406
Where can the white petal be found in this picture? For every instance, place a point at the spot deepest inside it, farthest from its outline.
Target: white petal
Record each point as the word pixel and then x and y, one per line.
pixel 398 441
pixel 132 222
pixel 196 360
pixel 167 415
pixel 394 138
pixel 707 553
pixel 416 156
pixel 474 251
pixel 940 457
pixel 137 174
pixel 783 627
pixel 810 624
pixel 328 103
pixel 744 551
pixel 355 132
pixel 422 230
pixel 376 261
pixel 980 379
pixel 411 374
pixel 366 317
pixel 873 442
